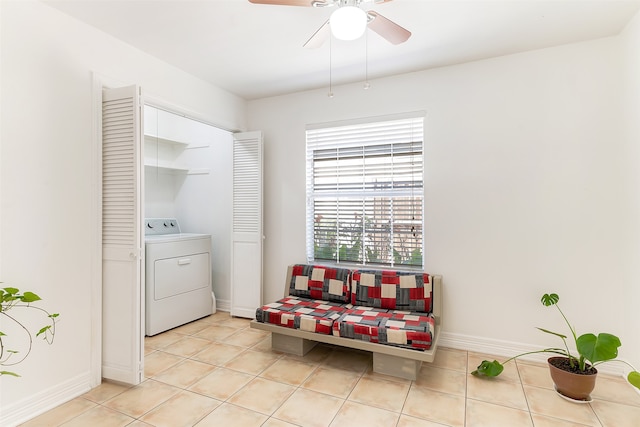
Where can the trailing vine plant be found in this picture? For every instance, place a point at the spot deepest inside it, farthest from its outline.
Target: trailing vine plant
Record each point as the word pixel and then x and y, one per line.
pixel 12 299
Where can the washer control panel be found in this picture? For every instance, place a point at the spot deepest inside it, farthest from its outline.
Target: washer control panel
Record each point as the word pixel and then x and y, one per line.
pixel 154 226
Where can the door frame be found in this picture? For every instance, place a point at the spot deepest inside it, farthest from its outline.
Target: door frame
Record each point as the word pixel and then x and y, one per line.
pixel 95 369
pixel 99 82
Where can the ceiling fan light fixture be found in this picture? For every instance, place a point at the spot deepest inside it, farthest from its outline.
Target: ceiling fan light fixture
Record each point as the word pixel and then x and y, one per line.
pixel 348 22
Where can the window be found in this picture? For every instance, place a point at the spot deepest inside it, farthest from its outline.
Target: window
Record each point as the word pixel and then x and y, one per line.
pixel 365 192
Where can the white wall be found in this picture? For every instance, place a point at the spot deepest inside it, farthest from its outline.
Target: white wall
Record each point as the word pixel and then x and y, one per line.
pixel 48 177
pixel 203 205
pixel 631 290
pixel 527 188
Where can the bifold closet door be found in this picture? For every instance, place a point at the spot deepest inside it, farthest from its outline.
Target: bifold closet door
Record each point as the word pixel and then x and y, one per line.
pixel 246 233
pixel 122 240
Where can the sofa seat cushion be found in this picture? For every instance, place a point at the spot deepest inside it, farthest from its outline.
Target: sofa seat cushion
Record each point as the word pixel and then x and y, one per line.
pixel 394 290
pixel 390 327
pixel 301 313
pixel 321 283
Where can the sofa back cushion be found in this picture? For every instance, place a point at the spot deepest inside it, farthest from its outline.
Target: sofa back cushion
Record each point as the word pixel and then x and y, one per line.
pixel 396 290
pixel 321 283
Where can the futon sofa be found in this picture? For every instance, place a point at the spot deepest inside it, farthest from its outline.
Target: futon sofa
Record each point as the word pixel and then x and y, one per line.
pixel 394 314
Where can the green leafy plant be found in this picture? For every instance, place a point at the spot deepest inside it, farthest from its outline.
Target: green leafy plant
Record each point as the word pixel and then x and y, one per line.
pixel 592 350
pixel 10 300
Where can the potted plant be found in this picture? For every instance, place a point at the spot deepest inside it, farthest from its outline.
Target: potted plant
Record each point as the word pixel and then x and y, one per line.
pixel 574 376
pixel 11 299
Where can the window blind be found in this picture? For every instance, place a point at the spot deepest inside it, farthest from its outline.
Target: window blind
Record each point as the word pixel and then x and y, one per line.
pixel 365 192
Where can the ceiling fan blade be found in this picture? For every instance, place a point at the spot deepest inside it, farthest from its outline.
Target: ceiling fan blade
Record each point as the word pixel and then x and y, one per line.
pixel 318 38
pixel 388 29
pixel 308 3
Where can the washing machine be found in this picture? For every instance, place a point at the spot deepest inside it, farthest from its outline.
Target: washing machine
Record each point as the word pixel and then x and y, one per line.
pixel 178 275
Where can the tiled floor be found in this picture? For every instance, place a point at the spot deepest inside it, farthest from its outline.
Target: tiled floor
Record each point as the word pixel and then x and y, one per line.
pixel 218 372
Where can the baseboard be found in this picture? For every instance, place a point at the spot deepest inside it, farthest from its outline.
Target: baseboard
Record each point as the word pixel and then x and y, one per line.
pixel 508 349
pixel 19 412
pixel 223 305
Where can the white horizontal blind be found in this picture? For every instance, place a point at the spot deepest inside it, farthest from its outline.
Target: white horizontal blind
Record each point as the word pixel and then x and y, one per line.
pixel 365 193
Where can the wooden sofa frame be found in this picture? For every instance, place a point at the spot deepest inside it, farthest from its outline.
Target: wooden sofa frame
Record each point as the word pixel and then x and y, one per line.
pixel 387 360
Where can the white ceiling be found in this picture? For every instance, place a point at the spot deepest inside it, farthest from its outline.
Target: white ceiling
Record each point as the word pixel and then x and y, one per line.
pixel 256 50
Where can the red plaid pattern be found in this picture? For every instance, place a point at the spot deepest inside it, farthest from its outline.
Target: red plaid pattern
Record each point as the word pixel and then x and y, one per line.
pixel 392 290
pixel 414 330
pixel 360 323
pixel 321 283
pixel 301 313
pixel 390 327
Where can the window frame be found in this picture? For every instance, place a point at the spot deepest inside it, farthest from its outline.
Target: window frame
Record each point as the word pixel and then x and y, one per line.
pixel 397 187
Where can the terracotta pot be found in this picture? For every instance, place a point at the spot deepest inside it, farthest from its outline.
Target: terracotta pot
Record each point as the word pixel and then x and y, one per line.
pixel 573 386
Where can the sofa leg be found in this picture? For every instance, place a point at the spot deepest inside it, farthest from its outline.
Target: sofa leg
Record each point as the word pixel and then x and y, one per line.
pixel 291 345
pixel 396 366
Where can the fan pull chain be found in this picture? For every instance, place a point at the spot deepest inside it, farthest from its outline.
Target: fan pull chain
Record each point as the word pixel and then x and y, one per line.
pixel 413 184
pixel 330 94
pixel 366 61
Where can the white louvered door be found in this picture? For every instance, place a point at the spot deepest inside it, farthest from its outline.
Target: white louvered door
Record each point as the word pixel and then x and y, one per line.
pixel 247 234
pixel 122 239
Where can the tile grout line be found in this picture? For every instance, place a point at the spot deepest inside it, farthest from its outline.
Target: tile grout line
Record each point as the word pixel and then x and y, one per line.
pixel 186 389
pixel 288 397
pixel 404 403
pixel 526 399
pixel 466 387
pixel 318 364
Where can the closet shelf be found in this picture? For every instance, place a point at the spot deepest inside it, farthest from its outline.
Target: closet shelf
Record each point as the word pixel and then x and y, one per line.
pixel 186 145
pixel 199 171
pixel 169 170
pixel 154 138
pixel 172 170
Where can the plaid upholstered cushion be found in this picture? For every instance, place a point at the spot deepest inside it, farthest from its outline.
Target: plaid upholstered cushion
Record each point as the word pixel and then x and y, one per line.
pixel 390 327
pixel 321 283
pixel 360 323
pixel 411 330
pixel 392 290
pixel 301 313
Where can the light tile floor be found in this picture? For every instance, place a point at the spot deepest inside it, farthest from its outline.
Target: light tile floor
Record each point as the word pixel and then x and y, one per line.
pixel 219 372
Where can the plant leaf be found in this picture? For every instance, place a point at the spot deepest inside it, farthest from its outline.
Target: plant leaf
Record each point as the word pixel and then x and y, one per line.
pixel 598 349
pixel 30 297
pixel 9 297
pixel 548 300
pixel 488 369
pixel 11 291
pixel 43 330
pixel 552 333
pixel 9 373
pixel 634 378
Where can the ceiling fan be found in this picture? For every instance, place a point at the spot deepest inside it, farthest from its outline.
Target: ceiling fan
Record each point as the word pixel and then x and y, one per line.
pixel 348 21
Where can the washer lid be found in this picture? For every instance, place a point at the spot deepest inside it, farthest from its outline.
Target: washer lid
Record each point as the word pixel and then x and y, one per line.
pixel 164 238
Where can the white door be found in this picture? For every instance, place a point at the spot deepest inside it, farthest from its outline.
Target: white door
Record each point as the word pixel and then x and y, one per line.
pixel 122 238
pixel 246 233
